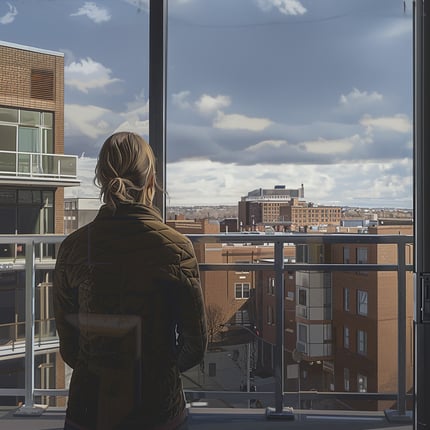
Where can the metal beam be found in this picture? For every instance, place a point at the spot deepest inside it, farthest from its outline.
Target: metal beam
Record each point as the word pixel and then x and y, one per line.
pixel 422 213
pixel 157 94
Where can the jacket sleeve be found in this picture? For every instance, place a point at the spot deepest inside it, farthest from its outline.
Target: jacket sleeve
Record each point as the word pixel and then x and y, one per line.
pixel 192 331
pixel 66 304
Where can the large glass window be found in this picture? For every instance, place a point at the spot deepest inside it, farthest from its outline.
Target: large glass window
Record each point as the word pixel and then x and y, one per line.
pixel 34 129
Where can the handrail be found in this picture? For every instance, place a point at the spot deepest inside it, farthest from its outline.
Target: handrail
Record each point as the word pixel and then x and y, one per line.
pixel 32 158
pixel 279 266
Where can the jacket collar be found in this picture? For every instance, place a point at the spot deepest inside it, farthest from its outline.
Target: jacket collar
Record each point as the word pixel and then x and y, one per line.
pixel 129 210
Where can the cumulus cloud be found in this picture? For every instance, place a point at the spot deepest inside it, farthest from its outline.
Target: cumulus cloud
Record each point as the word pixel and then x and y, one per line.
pixel 333 146
pixel 287 7
pixel 198 182
pixel 359 97
pixel 181 99
pixel 355 184
pixel 398 123
pixel 87 74
pixel 92 11
pixel 267 145
pixel 135 118
pixel 90 121
pixel 240 122
pixel 9 16
pixel 207 104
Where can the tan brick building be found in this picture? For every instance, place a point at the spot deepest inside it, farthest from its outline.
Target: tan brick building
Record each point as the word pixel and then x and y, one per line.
pixel 302 214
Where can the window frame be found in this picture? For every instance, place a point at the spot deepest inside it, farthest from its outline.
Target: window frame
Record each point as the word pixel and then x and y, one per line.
pixel 362 302
pixel 362 342
pixel 242 295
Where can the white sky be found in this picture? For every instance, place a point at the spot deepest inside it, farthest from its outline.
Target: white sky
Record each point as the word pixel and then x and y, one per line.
pixel 260 92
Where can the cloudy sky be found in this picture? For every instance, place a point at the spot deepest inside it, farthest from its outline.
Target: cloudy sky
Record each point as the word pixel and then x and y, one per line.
pixel 260 92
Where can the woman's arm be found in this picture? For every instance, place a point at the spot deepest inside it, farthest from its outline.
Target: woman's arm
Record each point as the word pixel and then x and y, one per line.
pixel 65 305
pixel 192 329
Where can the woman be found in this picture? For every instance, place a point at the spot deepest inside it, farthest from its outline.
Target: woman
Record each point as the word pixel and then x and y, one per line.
pixel 128 302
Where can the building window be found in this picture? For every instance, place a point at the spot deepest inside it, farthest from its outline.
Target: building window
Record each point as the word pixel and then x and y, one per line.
pixel 346 299
pixel 303 294
pixel 346 379
pixel 361 383
pixel 346 259
pixel 242 291
pixel 346 337
pixel 362 342
pixel 270 315
pixel 303 333
pixel 362 302
pixel 271 286
pixel 361 255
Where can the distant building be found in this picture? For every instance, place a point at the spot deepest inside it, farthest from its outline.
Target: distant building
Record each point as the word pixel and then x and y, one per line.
pixel 186 226
pixel 299 214
pixel 229 225
pixel 261 206
pixel 79 211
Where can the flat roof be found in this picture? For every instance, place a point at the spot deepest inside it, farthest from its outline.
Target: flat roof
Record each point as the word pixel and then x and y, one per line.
pixel 31 48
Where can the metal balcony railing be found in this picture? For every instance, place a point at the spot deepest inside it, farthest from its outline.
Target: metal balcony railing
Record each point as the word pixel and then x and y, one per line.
pixel 279 266
pixel 38 165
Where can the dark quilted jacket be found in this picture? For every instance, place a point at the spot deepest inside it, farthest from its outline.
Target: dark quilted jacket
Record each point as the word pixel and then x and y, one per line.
pixel 130 317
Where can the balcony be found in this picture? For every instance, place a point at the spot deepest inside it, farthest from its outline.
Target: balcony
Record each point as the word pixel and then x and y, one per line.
pixel 28 168
pixel 231 376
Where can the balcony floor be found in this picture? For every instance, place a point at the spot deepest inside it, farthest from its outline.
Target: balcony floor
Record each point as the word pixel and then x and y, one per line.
pixel 232 419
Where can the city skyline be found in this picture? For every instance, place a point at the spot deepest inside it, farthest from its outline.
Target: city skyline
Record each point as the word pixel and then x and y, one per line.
pixel 260 92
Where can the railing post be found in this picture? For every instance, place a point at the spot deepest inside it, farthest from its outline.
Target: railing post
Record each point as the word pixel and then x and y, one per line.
pixel 400 414
pixel 29 408
pixel 401 335
pixel 280 324
pixel 279 412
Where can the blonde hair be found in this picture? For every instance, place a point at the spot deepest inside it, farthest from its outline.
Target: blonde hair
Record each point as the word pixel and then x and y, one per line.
pixel 125 170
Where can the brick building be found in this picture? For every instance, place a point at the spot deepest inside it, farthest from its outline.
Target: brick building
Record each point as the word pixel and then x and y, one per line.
pixel 261 206
pixel 33 174
pixel 299 215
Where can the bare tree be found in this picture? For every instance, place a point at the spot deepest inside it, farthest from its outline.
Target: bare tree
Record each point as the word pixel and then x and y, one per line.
pixel 215 318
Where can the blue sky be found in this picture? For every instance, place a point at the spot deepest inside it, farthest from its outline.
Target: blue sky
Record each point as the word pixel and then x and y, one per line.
pixel 260 92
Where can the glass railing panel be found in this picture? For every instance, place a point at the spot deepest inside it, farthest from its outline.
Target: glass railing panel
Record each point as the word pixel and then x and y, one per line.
pixel 65 166
pixel 7 163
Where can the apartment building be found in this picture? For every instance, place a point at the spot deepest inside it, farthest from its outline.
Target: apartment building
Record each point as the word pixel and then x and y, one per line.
pixel 79 211
pixel 33 174
pixel 365 318
pixel 341 326
pixel 261 206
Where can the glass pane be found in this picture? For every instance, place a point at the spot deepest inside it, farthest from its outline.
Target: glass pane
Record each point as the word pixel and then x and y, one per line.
pixel 29 117
pixel 28 139
pixel 48 119
pixel 8 115
pixel 7 138
pixel 7 163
